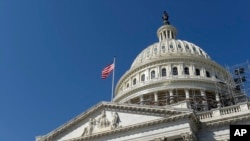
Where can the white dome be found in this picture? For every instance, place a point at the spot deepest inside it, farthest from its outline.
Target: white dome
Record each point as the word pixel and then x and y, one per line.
pixel 173 72
pixel 168 48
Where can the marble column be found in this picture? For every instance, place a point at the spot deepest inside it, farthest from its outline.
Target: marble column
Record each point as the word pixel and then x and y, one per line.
pixel 156 98
pixel 217 97
pixel 192 70
pixel 167 96
pixel 204 99
pixel 141 99
pixel 187 98
pixel 187 94
pixel 171 96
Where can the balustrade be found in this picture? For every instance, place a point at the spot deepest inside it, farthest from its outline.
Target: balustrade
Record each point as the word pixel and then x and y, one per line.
pixel 220 112
pixel 230 110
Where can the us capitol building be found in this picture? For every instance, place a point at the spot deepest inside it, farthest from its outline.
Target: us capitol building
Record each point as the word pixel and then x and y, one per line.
pixel 173 91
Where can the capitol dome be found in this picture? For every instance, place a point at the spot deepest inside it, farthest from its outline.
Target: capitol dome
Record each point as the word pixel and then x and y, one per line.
pixel 173 72
pixel 169 48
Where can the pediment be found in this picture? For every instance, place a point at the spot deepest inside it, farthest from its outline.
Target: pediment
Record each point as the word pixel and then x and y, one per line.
pixel 106 117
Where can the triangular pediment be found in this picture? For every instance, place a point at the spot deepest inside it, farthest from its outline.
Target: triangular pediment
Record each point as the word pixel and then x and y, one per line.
pixel 105 117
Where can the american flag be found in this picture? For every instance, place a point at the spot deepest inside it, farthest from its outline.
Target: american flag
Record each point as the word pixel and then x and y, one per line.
pixel 107 70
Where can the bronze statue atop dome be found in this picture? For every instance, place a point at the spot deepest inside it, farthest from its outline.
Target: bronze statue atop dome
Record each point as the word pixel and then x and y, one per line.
pixel 165 18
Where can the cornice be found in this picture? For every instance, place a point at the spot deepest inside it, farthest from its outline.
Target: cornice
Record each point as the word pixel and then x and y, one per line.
pixel 141 125
pixel 143 109
pixel 226 121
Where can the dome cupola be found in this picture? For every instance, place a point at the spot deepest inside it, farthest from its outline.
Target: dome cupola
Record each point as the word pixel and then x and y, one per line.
pixel 166 31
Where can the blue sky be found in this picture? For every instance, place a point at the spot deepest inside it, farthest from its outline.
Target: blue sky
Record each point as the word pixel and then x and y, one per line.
pixel 52 51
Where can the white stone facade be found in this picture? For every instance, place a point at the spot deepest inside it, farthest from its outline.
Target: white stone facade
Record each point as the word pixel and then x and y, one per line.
pixel 172 92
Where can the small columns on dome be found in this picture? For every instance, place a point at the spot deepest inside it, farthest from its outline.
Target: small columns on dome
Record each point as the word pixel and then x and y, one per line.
pixel 187 94
pixel 204 99
pixel 141 99
pixel 217 97
pixel 171 95
pixel 166 31
pixel 156 98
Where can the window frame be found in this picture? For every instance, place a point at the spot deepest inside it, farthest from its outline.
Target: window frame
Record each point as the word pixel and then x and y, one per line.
pixel 174 71
pixel 197 72
pixel 163 72
pixel 152 74
pixel 186 71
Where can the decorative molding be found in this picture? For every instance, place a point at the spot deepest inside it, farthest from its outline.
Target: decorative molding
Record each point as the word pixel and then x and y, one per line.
pixel 102 123
pixel 136 126
pixel 144 109
pixel 226 121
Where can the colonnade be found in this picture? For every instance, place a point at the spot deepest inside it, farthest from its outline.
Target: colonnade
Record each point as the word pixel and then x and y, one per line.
pixel 166 34
pixel 197 98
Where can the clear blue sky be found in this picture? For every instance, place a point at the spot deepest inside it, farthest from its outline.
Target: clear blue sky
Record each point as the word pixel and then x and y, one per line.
pixel 52 51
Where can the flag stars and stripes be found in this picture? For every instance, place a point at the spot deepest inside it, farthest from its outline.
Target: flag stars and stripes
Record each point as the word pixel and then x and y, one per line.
pixel 107 70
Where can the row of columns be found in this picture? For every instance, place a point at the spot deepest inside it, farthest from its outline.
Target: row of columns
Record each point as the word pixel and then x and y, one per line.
pixel 166 34
pixel 170 93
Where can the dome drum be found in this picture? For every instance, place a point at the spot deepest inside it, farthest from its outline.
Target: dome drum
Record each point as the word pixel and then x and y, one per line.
pixel 164 70
pixel 175 97
pixel 166 84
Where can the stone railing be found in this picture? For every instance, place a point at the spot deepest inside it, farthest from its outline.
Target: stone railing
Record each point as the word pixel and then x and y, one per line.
pixel 224 112
pixel 230 110
pixel 206 115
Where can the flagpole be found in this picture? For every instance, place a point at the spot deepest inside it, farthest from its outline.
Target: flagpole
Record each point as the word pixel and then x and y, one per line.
pixel 113 77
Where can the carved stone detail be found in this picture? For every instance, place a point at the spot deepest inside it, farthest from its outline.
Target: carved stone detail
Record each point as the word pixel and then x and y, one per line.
pixel 115 121
pixel 88 130
pixel 103 122
pixel 188 136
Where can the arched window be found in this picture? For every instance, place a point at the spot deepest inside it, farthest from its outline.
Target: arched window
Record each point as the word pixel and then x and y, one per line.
pixel 163 48
pixel 197 72
pixel 152 74
pixel 186 70
pixel 127 85
pixel 194 49
pixel 134 81
pixel 171 46
pixel 143 77
pixel 155 50
pixel 179 46
pixel 175 71
pixel 201 52
pixel 208 74
pixel 163 72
